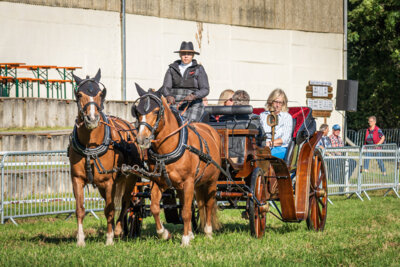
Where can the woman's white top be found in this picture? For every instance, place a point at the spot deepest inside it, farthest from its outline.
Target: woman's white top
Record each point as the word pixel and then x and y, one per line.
pixel 183 67
pixel 283 130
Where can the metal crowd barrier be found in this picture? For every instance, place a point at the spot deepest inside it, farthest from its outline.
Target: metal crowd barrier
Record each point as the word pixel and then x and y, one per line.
pixel 379 167
pixel 356 170
pixel 39 183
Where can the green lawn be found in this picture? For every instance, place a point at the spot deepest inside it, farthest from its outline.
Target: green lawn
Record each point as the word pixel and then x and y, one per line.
pixel 357 234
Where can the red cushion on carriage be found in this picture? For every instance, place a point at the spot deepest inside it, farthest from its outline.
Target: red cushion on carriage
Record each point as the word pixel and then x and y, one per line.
pixel 300 114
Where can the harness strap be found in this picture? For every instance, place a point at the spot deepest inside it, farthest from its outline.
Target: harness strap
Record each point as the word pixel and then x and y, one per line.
pixel 89 170
pixel 201 141
pixel 97 162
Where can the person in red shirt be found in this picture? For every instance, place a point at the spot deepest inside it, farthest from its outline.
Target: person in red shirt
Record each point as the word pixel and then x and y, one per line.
pixel 374 136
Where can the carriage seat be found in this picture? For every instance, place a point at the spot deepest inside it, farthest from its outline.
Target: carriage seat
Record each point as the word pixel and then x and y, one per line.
pixel 234 117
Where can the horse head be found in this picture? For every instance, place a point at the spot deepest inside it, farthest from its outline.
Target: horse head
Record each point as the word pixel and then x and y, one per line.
pixel 148 111
pixel 90 99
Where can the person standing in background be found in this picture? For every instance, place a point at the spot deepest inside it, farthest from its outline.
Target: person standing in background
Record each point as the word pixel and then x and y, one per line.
pixel 374 136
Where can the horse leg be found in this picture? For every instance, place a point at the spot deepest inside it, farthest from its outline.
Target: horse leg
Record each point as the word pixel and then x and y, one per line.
pixel 80 210
pixel 109 211
pixel 188 192
pixel 211 208
pixel 156 196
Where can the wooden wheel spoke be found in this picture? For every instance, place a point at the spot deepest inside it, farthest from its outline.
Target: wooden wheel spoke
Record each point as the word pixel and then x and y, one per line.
pixel 320 202
pixel 320 179
pixel 319 213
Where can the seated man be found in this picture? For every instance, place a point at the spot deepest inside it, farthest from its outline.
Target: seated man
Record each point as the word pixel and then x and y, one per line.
pixel 277 102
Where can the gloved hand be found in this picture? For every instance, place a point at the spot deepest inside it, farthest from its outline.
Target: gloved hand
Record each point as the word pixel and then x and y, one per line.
pixel 190 97
pixel 171 99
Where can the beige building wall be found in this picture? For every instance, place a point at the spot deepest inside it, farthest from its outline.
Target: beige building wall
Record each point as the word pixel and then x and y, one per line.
pixel 254 59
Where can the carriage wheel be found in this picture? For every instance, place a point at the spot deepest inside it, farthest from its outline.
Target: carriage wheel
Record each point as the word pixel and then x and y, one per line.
pixel 318 202
pixel 135 219
pixel 258 214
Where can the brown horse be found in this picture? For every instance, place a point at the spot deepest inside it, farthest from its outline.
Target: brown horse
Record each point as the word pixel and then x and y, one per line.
pixel 99 145
pixel 180 156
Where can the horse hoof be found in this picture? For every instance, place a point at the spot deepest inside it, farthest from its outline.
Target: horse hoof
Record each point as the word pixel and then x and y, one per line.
pixel 110 239
pixel 191 235
pixel 164 234
pixel 208 231
pixel 118 230
pixel 185 241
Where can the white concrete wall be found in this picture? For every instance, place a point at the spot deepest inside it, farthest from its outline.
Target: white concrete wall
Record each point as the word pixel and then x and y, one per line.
pixel 256 60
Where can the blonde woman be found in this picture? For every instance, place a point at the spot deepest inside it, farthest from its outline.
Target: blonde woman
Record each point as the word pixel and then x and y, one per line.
pixel 225 98
pixel 277 102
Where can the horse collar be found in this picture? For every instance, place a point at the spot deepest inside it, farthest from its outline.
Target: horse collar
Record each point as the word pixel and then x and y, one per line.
pixel 92 152
pixel 179 150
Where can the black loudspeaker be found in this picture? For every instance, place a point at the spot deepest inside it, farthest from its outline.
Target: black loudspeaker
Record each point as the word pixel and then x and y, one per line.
pixel 346 95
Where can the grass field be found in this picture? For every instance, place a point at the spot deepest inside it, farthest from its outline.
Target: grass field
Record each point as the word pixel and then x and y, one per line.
pixel 357 234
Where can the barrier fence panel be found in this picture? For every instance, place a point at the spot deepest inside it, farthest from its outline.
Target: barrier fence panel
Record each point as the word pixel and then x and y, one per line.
pixel 343 168
pixel 39 183
pixel 379 164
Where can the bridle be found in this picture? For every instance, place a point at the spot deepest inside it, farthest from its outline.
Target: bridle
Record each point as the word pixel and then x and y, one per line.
pixel 82 110
pixel 160 113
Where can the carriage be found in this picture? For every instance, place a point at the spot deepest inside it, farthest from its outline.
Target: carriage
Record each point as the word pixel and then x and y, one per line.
pixel 251 178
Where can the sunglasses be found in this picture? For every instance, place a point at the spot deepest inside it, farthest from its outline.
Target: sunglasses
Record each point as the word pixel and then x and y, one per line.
pixel 229 99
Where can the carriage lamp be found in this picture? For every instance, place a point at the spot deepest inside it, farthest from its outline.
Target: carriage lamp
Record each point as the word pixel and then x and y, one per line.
pixel 272 121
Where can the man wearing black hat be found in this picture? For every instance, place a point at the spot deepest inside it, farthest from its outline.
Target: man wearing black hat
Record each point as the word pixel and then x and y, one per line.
pixel 186 80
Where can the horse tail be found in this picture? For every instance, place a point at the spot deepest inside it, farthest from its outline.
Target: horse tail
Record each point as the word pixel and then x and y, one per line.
pixel 119 193
pixel 216 225
pixel 202 212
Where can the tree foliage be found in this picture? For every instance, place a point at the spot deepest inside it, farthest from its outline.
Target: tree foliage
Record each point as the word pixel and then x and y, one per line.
pixel 374 60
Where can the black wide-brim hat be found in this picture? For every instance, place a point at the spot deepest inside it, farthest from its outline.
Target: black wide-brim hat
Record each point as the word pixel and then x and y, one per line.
pixel 187 47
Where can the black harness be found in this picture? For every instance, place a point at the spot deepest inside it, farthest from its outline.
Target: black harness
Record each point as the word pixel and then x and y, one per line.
pixel 92 153
pixel 161 160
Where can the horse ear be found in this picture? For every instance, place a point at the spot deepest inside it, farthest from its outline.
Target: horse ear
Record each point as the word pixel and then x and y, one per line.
pixel 140 90
pixel 98 76
pixel 159 92
pixel 103 94
pixel 76 94
pixel 77 79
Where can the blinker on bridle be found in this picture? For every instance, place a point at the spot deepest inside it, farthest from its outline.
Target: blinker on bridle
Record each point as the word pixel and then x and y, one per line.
pixel 81 109
pixel 160 113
